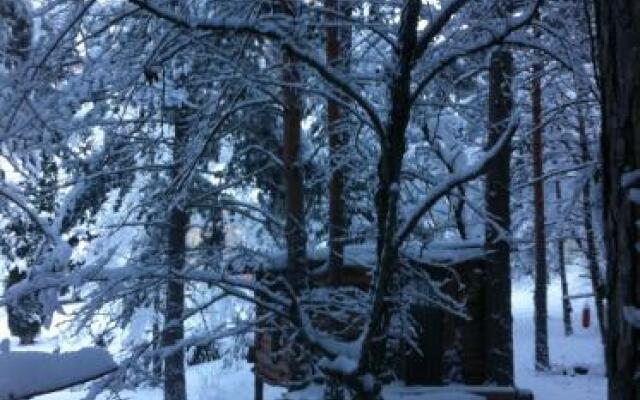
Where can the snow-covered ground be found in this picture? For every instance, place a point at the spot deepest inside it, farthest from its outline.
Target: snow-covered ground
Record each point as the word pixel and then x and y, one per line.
pixel 204 382
pixel 582 348
pixel 211 382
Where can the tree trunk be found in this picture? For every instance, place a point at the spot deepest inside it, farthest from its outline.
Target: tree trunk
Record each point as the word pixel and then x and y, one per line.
pixel 295 229
pixel 540 295
pixel 337 48
pixel 498 330
pixel 392 149
pixel 295 232
pixel 591 251
pixel 156 360
pixel 174 379
pixel 618 43
pixel 562 269
pixel 338 42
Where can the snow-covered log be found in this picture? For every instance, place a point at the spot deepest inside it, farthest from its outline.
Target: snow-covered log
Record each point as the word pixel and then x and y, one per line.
pixel 31 373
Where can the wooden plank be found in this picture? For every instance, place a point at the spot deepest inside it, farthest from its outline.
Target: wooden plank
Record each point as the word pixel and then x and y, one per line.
pixel 484 392
pixel 578 296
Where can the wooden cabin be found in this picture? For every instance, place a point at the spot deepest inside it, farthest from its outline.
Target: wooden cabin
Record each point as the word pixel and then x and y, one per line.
pixel 450 348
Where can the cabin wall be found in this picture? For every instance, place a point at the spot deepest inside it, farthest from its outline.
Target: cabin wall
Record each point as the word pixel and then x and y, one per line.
pixel 449 348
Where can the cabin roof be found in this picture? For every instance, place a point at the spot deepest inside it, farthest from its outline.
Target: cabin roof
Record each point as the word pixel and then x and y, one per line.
pixel 364 255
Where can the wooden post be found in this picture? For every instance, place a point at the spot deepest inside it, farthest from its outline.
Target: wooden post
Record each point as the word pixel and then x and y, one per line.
pixel 258 386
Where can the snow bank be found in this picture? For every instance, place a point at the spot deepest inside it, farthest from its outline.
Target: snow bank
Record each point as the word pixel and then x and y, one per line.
pixel 583 348
pixel 28 373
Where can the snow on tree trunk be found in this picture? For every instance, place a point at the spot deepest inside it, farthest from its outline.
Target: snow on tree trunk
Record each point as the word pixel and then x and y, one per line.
pixel 498 330
pixel 618 42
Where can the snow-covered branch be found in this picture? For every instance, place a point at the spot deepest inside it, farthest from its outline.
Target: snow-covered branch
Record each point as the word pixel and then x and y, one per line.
pixel 447 185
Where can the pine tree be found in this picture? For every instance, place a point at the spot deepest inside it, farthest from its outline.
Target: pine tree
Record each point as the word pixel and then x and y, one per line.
pixel 24 317
pixel 15 33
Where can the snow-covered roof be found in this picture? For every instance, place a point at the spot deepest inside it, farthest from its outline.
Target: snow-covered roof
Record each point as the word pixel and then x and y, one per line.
pixel 364 255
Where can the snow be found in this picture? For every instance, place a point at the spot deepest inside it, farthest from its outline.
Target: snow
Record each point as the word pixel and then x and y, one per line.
pixel 632 315
pixel 26 373
pixel 583 348
pixel 630 178
pixel 214 381
pixel 341 363
pixel 634 195
pixel 211 381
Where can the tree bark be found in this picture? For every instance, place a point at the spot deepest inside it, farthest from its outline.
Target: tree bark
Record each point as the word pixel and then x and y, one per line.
pixel 295 229
pixel 295 232
pixel 540 244
pixel 498 330
pixel 338 43
pixel 173 332
pixel 392 149
pixel 618 44
pixel 562 269
pixel 156 360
